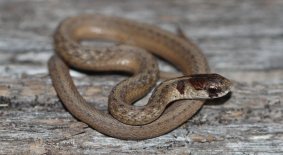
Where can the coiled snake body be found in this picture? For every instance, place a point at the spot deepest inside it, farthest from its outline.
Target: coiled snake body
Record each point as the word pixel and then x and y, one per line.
pixel 132 122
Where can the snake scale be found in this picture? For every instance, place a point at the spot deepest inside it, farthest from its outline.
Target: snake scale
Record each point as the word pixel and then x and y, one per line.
pixel 132 122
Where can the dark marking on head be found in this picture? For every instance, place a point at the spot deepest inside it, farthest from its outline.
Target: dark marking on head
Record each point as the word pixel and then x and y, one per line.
pixel 181 87
pixel 198 83
pixel 213 84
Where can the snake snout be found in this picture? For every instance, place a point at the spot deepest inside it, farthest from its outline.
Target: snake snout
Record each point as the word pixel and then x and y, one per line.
pixel 217 85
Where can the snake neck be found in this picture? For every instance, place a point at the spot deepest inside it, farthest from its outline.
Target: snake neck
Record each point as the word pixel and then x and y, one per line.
pixel 166 93
pixel 176 89
pixel 198 86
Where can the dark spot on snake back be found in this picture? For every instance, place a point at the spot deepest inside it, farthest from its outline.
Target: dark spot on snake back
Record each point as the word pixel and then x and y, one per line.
pixel 181 87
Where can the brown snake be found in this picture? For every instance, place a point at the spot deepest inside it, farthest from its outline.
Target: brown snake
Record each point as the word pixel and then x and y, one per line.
pixel 151 118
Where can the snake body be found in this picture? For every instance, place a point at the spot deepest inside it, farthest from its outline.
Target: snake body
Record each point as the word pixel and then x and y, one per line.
pixel 182 53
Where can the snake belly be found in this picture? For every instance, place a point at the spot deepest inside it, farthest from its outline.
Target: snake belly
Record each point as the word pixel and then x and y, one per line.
pixel 183 54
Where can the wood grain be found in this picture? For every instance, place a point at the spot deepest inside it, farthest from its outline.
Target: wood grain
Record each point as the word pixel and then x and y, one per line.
pixel 242 40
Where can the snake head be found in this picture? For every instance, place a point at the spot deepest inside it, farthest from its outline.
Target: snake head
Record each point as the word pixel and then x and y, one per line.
pixel 210 85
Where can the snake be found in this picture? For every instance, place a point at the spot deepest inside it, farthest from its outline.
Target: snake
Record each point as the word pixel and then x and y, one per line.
pixel 172 102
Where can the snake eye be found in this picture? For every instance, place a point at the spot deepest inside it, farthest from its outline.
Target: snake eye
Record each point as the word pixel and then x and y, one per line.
pixel 213 92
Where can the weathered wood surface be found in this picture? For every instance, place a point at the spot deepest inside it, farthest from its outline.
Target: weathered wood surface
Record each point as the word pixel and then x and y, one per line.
pixel 243 40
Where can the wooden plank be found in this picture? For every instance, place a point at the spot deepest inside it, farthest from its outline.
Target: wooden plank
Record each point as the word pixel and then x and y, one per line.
pixel 242 40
